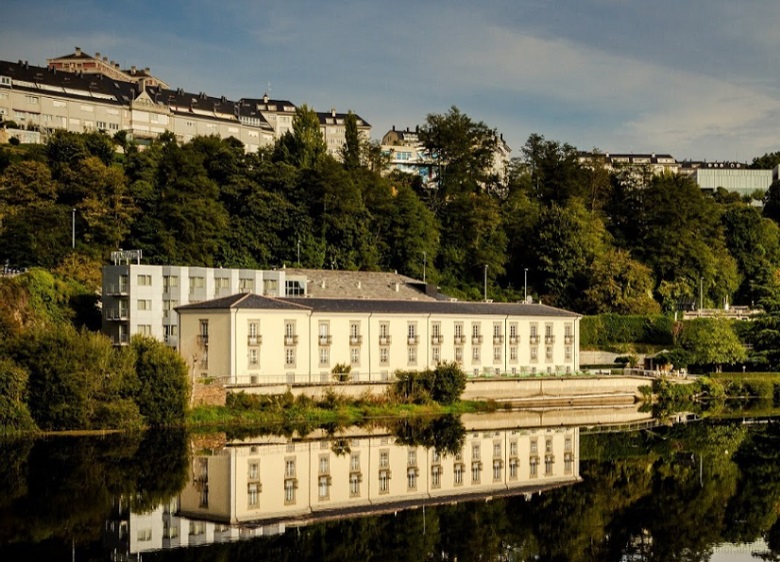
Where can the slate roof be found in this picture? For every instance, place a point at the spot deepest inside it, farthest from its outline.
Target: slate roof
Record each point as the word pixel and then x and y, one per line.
pixel 334 283
pixel 365 306
pixel 243 300
pixel 68 84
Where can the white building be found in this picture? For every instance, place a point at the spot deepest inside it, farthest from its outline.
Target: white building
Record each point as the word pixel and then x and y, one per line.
pixel 141 299
pixel 252 339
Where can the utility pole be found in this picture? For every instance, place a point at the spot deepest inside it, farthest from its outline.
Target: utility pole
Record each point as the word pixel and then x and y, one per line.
pixel 486 282
pixel 425 262
pixel 299 252
pixel 525 284
pixel 73 231
pixel 701 293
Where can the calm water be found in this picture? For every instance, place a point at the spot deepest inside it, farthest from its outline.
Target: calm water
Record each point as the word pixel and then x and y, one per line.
pixel 555 486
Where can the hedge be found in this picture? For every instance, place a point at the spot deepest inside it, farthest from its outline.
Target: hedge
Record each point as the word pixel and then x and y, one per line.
pixel 607 329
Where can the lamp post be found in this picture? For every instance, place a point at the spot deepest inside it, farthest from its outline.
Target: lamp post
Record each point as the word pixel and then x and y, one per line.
pixel 486 282
pixel 73 230
pixel 525 284
pixel 701 293
pixel 425 262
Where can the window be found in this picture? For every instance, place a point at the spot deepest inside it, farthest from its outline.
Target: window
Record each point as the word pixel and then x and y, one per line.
pixel 293 288
pixel 436 476
pixel 513 353
pixel 458 332
pixel 476 472
pixel 31 99
pixel 534 337
pixel 498 337
pixel 568 333
pixel 323 329
pixel 436 354
pixel 253 332
pixel 436 333
pixel 144 280
pixel 534 354
pixel 354 484
pixel 513 448
pixel 196 283
pixel 475 354
pixel 289 490
pixel 354 462
pixel 412 359
pixel 354 333
pixel 324 464
pixel 289 467
pixel 384 459
pixel 459 354
pixel 253 470
pixel 384 333
pixel 144 304
pixel 457 473
pixel 144 535
pixel 513 465
pixel 384 481
pixel 324 356
pixel 548 353
pixel 145 329
pixel 384 356
pixel 496 470
pixel 254 359
pixel 253 494
pixel 354 355
pixel 475 451
pixel 323 487
pixel 221 283
pixel 170 281
pixel 496 450
pixel 289 357
pixel 568 353
pixel 497 354
pixel 411 478
pixel 411 332
pixel 289 333
pixel 476 332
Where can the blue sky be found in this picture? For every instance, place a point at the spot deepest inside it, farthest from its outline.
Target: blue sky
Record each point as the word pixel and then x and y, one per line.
pixel 696 78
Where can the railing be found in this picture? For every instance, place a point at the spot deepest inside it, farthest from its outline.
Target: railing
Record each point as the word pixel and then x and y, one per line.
pixel 413 340
pixel 116 314
pixel 326 340
pixel 291 340
pixel 568 339
pixel 122 339
pixel 114 289
pixel 459 340
pixel 549 339
pixel 499 339
pixel 355 340
pixel 203 339
pixel 254 340
pixel 385 340
pixel 533 340
pixel 435 340
pixel 476 339
pixel 514 340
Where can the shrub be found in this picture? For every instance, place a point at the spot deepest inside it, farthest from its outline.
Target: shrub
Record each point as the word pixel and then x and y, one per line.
pixel 607 329
pixel 163 394
pixel 14 414
pixel 444 385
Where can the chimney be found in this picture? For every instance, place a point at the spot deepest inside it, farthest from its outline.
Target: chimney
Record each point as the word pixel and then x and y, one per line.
pixel 265 98
pixel 78 51
pixel 97 56
pixel 147 70
pixel 332 111
pixel 105 59
pixel 132 69
pixel 397 287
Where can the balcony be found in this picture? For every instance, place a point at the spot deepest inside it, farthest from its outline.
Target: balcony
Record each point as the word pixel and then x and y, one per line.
pixel 549 339
pixel 568 339
pixel 355 340
pixel 533 339
pixel 435 340
pixel 117 290
pixel 514 340
pixel 122 339
pixel 459 340
pixel 476 339
pixel 325 340
pixel 254 340
pixel 413 340
pixel 290 340
pixel 498 339
pixel 385 340
pixel 203 340
pixel 116 314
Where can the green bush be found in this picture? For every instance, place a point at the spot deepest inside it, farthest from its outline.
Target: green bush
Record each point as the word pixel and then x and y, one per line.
pixel 163 379
pixel 14 414
pixel 609 329
pixel 444 385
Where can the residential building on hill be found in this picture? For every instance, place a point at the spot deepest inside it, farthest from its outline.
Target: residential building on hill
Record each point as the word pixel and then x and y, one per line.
pixel 649 164
pixel 249 339
pixel 736 177
pixel 79 93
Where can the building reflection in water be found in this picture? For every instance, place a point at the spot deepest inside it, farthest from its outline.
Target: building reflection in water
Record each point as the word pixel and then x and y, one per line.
pixel 264 485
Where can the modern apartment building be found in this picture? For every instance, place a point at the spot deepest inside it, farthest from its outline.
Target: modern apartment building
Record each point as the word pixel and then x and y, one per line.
pixel 248 339
pixel 333 129
pixel 141 299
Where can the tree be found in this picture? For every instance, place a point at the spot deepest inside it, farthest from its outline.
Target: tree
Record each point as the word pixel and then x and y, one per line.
pixel 351 151
pixel 619 284
pixel 712 341
pixel 305 145
pixel 163 382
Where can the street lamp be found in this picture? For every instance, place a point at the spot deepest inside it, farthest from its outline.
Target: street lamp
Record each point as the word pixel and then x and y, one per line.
pixel 425 262
pixel 73 230
pixel 701 293
pixel 486 282
pixel 525 284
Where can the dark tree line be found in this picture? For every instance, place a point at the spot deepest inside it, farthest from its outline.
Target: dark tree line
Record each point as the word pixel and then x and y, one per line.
pixel 584 237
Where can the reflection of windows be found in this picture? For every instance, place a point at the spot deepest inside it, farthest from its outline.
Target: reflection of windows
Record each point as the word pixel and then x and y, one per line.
pixel 290 484
pixel 253 494
pixel 323 487
pixel 476 472
pixel 354 484
pixel 384 481
pixel 411 478
pixel 436 476
pixel 513 465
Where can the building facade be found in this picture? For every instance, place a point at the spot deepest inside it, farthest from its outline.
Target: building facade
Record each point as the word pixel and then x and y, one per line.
pixel 249 339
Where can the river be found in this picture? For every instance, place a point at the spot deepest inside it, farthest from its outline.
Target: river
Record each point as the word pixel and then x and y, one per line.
pixel 547 485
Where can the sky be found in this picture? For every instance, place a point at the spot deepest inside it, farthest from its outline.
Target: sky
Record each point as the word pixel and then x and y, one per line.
pixel 696 78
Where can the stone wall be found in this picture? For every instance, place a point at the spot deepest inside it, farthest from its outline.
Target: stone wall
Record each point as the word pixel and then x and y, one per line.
pixel 213 394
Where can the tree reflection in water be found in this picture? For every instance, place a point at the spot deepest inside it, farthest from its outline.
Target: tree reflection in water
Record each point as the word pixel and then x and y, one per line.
pixel 671 493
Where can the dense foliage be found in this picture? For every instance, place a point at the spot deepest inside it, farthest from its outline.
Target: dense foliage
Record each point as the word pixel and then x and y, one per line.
pixel 55 374
pixel 444 385
pixel 584 237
